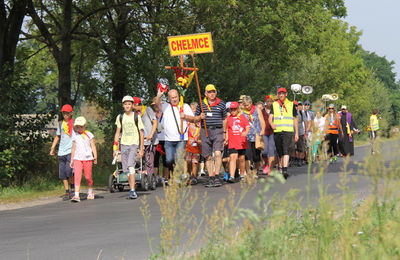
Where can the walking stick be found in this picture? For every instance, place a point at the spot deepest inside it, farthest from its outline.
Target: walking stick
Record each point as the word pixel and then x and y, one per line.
pixel 198 91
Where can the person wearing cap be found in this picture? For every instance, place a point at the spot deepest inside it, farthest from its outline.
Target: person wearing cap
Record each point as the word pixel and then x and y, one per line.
pixel 130 129
pixel 176 133
pixel 238 128
pixel 215 116
pixel 83 154
pixel 346 144
pixel 283 119
pixel 257 128
pixel 301 143
pixel 332 130
pixel 65 132
pixel 269 144
pixel 150 123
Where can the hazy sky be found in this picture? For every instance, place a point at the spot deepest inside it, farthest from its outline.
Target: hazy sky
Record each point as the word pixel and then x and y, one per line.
pixel 379 21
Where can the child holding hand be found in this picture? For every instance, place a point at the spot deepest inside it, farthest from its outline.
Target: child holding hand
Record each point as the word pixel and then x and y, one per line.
pixel 84 154
pixel 238 128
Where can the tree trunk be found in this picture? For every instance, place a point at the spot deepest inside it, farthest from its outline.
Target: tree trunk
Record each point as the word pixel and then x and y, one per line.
pixel 65 58
pixel 10 28
pixel 119 76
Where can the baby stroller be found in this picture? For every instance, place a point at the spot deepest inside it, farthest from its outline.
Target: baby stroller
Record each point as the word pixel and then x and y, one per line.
pixel 118 180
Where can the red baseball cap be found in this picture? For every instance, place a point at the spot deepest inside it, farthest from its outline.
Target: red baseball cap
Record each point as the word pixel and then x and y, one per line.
pixel 137 101
pixel 295 102
pixel 234 105
pixel 66 108
pixel 282 89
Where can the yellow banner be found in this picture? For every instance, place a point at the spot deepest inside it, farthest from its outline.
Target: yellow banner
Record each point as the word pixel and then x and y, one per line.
pixel 185 44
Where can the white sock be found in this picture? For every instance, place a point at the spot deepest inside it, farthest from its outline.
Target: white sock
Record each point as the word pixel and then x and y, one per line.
pixel 77 194
pixel 90 191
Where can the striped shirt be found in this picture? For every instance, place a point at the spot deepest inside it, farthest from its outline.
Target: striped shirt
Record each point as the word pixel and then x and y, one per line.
pixel 215 116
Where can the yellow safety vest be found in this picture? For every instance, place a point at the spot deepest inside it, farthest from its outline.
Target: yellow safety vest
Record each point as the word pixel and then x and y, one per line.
pixel 375 122
pixel 283 118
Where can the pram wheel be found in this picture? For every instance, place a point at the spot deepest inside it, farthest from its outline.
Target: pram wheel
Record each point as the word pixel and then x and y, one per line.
pixel 144 182
pixel 153 182
pixel 111 183
pixel 121 188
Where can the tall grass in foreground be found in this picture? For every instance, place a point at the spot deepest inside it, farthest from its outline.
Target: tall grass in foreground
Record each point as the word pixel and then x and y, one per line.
pixel 339 226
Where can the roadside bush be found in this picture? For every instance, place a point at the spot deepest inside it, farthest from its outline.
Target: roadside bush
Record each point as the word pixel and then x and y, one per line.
pixel 23 152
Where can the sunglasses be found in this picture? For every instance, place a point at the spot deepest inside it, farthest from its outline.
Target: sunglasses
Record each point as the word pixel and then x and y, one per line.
pixel 331 109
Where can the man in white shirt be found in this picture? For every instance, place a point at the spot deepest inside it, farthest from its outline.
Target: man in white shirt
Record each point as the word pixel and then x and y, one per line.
pixel 176 133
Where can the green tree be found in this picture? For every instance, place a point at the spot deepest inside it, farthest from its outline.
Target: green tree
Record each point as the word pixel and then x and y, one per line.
pixel 383 69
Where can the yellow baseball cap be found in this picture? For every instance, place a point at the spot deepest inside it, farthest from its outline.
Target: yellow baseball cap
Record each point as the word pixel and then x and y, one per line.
pixel 80 120
pixel 210 87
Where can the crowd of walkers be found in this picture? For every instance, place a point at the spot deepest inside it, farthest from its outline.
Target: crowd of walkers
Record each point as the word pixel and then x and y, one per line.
pixel 242 137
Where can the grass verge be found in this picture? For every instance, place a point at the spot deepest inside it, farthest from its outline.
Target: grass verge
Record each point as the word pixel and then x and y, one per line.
pixel 337 226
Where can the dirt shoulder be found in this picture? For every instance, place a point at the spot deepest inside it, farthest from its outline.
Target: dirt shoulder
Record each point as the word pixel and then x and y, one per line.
pixel 40 200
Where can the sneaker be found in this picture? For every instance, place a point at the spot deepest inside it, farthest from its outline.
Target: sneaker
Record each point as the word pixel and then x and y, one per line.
pixel 335 159
pixel 280 169
pixel 193 181
pixel 164 181
pixel 75 199
pixel 331 160
pixel 231 179
pixel 226 176
pixel 90 196
pixel 210 183
pixel 285 175
pixel 217 183
pixel 266 169
pixel 132 194
pixel 66 196
pixel 241 177
pixel 202 173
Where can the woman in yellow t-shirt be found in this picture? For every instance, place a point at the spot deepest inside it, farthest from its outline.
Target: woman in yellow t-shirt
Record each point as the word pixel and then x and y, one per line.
pixel 373 127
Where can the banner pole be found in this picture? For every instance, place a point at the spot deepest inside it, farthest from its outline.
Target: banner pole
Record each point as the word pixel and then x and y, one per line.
pixel 183 100
pixel 198 91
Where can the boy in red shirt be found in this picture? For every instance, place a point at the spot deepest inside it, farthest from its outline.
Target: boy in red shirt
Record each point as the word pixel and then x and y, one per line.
pixel 238 128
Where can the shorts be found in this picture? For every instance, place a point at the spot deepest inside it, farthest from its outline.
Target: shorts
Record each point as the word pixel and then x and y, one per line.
pixel 192 157
pixel 240 151
pixel 284 143
pixel 301 144
pixel 64 167
pixel 269 146
pixel 214 141
pixel 253 154
pixel 128 156
pixel 226 152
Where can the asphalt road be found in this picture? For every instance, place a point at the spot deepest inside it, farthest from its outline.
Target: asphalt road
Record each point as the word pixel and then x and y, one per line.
pixel 112 226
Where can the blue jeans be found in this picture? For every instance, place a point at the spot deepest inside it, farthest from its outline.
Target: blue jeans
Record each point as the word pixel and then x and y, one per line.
pixel 171 147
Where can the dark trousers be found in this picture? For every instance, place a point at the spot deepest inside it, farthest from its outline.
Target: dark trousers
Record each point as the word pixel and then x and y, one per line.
pixel 332 144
